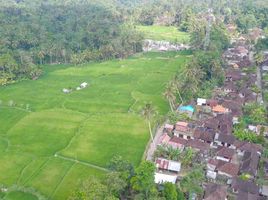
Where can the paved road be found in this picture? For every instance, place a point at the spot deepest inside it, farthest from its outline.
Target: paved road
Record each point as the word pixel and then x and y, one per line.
pixel 153 146
pixel 259 84
pixel 259 77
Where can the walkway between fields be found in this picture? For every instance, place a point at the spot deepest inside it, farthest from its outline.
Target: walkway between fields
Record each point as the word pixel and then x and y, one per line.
pixel 152 148
pixel 81 162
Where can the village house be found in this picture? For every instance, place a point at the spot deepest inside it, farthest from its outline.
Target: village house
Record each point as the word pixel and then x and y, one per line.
pixel 248 95
pixel 225 140
pixel 241 51
pixel 235 108
pixel 222 168
pixel 249 164
pixel 199 146
pixel 205 135
pixel 215 192
pixel 224 153
pixel 233 75
pixel 204 107
pixel 168 165
pixel 244 62
pixel 168 128
pixel 243 146
pixel 164 139
pixel 245 190
pixel 211 123
pixel 177 143
pixel 233 65
pixel 184 130
pixel 219 109
pixel 230 87
pixel 161 178
pixel 229 170
pixel 234 96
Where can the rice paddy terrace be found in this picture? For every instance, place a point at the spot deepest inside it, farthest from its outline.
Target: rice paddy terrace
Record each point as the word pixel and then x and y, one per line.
pixel 49 140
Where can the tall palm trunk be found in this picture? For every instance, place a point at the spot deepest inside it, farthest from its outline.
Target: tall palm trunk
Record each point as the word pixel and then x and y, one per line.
pixel 171 105
pixel 180 97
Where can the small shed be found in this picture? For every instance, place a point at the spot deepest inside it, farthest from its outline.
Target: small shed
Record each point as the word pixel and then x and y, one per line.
pixel 174 166
pixel 164 178
pixel 84 85
pixel 66 91
pixel 201 102
pixel 264 190
pixel 265 68
pixel 211 174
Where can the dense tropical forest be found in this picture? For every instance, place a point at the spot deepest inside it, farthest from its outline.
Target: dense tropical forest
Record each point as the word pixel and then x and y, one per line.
pixel 41 32
pixel 62 140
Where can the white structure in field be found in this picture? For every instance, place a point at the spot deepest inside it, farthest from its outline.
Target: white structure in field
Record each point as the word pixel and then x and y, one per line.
pixel 164 178
pixel 84 85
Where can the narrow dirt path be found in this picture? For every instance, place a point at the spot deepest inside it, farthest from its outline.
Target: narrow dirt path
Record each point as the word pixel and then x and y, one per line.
pixel 152 148
pixel 81 162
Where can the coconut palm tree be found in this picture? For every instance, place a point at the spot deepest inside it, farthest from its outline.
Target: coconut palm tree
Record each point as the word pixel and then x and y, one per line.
pixel 173 153
pixel 193 76
pixel 41 55
pixel 188 156
pixel 178 83
pixel 169 94
pixel 161 151
pixel 259 58
pixel 148 112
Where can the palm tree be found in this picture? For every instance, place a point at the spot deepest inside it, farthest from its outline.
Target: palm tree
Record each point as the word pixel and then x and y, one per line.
pixel 148 112
pixel 259 58
pixel 193 75
pixel 188 156
pixel 161 151
pixel 178 83
pixel 41 55
pixel 173 154
pixel 169 94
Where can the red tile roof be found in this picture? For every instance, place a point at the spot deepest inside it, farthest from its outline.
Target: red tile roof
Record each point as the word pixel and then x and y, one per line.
pixel 196 144
pixel 229 168
pixel 225 152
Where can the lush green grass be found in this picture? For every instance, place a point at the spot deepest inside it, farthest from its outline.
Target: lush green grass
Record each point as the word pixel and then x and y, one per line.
pixel 46 131
pixel 17 195
pixel 166 33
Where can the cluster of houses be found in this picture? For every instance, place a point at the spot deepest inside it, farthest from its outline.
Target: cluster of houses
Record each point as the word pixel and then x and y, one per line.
pixel 151 45
pixel 231 165
pixel 82 86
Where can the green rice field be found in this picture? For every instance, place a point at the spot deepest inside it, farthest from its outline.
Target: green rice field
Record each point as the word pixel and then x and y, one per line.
pixel 51 141
pixel 166 33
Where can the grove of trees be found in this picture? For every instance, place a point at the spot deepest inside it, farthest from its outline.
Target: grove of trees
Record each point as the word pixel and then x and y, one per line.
pixel 35 32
